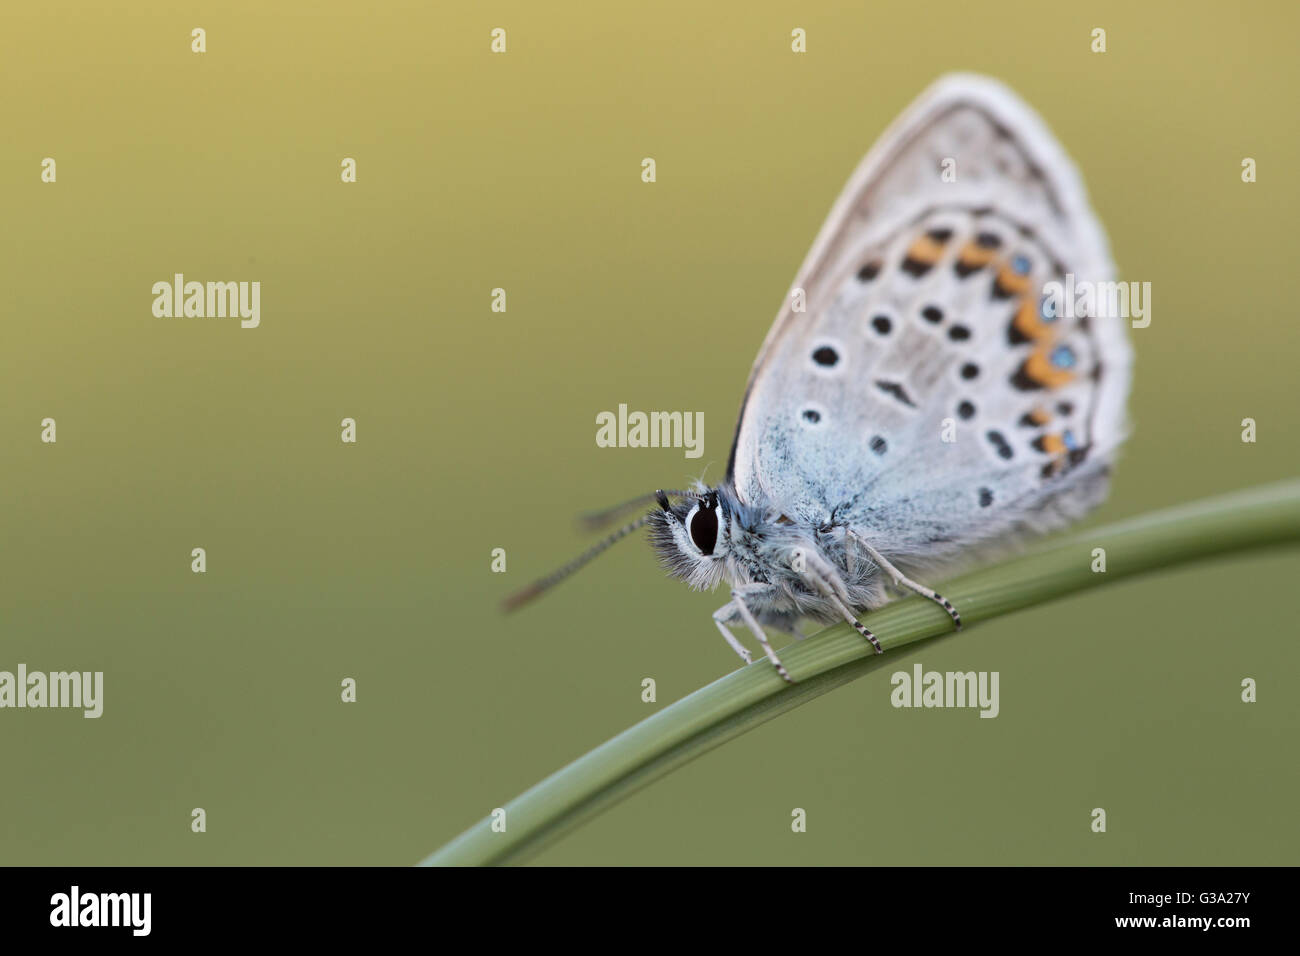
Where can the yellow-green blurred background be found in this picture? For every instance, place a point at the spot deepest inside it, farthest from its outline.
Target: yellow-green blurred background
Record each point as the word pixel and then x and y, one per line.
pixel 476 429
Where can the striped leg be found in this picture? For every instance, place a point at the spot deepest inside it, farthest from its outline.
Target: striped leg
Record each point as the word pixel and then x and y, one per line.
pixel 739 607
pixel 720 618
pixel 827 580
pixel 904 581
pixel 761 637
pixel 858 626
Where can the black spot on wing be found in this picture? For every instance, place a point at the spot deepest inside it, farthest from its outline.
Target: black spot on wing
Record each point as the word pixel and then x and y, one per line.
pixel 916 267
pixel 826 356
pixel 1021 380
pixel 999 443
pixel 869 272
pixel 897 391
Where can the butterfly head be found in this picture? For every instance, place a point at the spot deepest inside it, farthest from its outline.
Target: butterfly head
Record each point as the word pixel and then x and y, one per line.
pixel 692 536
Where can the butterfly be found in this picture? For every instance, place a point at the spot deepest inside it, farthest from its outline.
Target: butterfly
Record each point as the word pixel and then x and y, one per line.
pixel 920 400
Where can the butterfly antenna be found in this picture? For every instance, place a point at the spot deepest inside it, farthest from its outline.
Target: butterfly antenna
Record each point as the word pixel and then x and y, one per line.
pixel 595 520
pixel 533 590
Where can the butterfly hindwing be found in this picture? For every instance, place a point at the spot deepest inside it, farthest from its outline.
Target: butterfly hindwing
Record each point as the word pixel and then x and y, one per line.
pixel 927 393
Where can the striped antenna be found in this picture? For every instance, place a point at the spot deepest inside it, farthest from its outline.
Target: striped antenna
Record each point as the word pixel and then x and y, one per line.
pixel 594 519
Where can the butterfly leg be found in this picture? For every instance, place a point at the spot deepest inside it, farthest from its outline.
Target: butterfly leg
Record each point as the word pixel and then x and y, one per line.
pixel 859 626
pixel 828 581
pixel 738 606
pixel 904 581
pixel 720 618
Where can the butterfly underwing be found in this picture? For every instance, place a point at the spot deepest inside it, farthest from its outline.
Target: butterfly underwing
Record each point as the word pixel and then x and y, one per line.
pixel 919 401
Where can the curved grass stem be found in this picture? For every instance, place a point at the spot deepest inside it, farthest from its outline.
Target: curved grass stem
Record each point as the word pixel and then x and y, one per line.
pixel 745 698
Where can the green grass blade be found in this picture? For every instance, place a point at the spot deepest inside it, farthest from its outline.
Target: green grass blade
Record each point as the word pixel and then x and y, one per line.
pixel 742 700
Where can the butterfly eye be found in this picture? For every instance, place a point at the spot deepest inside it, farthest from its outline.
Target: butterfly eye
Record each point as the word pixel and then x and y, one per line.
pixel 702 526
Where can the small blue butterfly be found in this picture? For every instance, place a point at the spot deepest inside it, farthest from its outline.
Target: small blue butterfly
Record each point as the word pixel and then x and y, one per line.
pixel 923 407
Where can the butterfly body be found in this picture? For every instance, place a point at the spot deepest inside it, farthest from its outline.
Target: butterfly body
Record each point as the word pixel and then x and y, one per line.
pixel 761 549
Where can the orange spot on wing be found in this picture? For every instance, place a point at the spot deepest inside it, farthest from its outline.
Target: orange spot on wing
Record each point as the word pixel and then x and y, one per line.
pixel 1039 368
pixel 924 249
pixel 1029 323
pixel 1012 281
pixel 1053 444
pixel 974 256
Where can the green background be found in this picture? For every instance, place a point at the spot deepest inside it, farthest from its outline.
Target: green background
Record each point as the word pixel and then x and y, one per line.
pixel 476 429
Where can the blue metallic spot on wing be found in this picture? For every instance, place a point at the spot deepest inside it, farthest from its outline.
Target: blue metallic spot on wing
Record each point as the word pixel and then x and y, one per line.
pixel 1063 357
